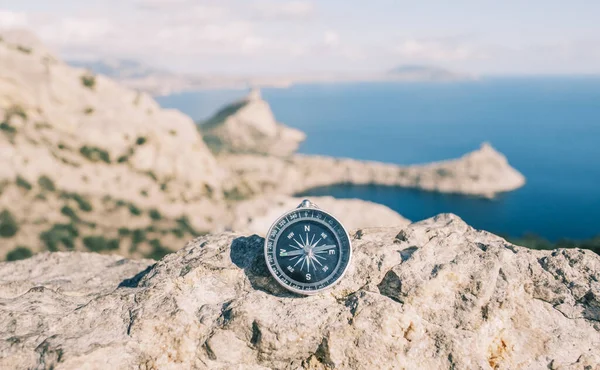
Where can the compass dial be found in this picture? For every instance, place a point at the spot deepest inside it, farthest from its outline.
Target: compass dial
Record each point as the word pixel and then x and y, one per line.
pixel 307 250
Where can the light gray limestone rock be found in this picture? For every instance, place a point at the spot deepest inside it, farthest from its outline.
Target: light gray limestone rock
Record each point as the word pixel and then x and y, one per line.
pixel 249 126
pixel 434 294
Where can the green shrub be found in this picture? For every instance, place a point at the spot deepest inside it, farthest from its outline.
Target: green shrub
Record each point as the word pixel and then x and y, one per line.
pixel 64 234
pixel 82 202
pixel 100 243
pixel 123 231
pixel 46 183
pixel 534 241
pixel 234 194
pixel 134 210
pixel 95 154
pixel 24 49
pixel 141 140
pixel 19 253
pixel 69 212
pixel 122 159
pixel 88 110
pixel 7 128
pixel 15 110
pixel 138 236
pixel 152 175
pixel 88 80
pixel 158 250
pixel 184 225
pixel 178 233
pixel 8 224
pixel 442 172
pixel 22 183
pixel 155 215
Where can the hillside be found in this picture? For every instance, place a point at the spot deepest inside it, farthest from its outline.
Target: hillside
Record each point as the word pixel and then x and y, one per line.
pixel 88 164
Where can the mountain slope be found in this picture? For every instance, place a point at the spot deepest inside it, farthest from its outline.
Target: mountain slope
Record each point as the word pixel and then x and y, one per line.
pixel 72 142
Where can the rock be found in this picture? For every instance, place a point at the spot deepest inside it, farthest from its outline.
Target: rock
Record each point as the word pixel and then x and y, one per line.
pixel 435 294
pixel 484 172
pixel 248 126
pixel 257 215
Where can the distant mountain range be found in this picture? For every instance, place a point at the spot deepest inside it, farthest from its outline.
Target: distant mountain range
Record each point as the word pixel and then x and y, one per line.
pixel 156 81
pixel 425 73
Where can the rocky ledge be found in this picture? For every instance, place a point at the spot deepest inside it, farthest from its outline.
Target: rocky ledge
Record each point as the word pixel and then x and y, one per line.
pixel 434 294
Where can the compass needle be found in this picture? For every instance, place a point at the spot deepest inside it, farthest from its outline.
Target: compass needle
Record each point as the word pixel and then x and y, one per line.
pixel 314 258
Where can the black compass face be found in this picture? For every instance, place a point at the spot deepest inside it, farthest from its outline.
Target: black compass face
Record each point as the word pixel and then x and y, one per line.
pixel 307 250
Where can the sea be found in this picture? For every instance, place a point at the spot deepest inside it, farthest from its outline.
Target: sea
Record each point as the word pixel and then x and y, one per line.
pixel 548 128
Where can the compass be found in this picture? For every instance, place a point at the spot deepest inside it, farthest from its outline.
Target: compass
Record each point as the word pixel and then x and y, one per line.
pixel 307 250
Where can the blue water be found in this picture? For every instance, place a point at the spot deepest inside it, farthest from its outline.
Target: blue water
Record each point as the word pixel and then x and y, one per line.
pixel 549 129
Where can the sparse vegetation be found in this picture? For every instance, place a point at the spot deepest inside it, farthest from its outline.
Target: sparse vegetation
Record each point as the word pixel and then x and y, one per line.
pixel 158 250
pixel 46 183
pixel 69 212
pixel 100 243
pixel 82 202
pixel 15 110
pixel 178 232
pixel 24 184
pixel 8 224
pixel 155 214
pixel 152 175
pixel 534 241
pixel 7 129
pixel 88 80
pixel 134 210
pixel 95 154
pixel 442 172
pixel 144 193
pixel 138 236
pixel 19 253
pixel 24 49
pixel 184 225
pixel 88 110
pixel 58 234
pixel 234 194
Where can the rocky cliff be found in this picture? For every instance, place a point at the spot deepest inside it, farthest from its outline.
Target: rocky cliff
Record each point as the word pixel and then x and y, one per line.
pixel 434 295
pixel 248 126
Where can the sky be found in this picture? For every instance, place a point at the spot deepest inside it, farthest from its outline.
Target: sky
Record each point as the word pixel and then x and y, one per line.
pixel 278 37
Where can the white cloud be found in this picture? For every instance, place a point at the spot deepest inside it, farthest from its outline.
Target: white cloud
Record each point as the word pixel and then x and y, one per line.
pixel 279 10
pixel 331 38
pixel 159 4
pixel 10 19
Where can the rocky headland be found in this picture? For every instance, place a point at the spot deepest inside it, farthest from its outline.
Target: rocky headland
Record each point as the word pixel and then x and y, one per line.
pixel 434 295
pixel 483 172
